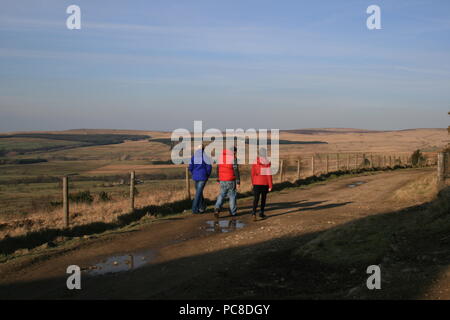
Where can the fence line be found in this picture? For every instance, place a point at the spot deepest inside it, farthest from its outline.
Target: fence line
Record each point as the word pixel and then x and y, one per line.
pixel 315 165
pixel 66 201
pixel 132 180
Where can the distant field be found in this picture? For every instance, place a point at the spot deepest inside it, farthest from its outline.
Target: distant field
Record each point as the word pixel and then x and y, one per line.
pixel 32 142
pixel 128 150
pixel 52 168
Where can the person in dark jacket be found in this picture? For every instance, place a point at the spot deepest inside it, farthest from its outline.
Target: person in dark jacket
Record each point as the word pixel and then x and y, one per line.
pixel 229 179
pixel 261 181
pixel 200 168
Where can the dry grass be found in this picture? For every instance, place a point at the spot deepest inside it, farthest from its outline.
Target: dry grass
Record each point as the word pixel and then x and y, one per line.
pixel 419 191
pixel 98 211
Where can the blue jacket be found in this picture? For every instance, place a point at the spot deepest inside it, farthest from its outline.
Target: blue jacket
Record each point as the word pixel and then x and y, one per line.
pixel 200 171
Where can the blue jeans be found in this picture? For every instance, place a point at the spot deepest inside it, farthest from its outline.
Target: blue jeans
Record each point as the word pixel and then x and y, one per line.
pixel 227 189
pixel 199 202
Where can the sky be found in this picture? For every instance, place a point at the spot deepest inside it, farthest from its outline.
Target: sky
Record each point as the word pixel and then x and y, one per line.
pixel 160 65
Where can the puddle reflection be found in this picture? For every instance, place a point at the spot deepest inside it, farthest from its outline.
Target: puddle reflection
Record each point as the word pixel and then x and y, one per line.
pixel 120 263
pixel 355 184
pixel 224 225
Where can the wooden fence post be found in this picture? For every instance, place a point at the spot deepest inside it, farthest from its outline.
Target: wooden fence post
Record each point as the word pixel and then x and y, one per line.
pixel 312 165
pixel 281 170
pixel 348 162
pixel 371 161
pixel 66 201
pixel 132 191
pixel 356 161
pixel 299 161
pixel 337 161
pixel 364 160
pixel 440 170
pixel 188 185
pixel 327 163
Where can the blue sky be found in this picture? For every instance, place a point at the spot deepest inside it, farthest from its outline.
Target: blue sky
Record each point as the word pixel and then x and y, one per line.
pixel 233 64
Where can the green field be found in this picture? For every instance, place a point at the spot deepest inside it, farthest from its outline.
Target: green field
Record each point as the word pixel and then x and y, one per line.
pixel 34 144
pixel 46 169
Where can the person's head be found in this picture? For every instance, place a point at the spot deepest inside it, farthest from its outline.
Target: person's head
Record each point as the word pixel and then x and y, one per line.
pixel 263 152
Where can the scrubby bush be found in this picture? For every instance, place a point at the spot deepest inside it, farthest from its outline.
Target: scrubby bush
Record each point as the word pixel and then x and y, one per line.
pixel 82 196
pixel 104 196
pixel 365 163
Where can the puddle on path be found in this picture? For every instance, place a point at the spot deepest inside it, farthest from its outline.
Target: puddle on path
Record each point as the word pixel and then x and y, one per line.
pixel 120 263
pixel 224 225
pixel 355 184
pixel 127 262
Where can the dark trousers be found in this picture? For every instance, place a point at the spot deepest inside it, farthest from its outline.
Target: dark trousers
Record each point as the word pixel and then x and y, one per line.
pixel 198 205
pixel 259 191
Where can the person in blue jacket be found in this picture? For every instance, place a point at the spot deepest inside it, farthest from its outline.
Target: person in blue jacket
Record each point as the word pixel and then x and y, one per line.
pixel 200 168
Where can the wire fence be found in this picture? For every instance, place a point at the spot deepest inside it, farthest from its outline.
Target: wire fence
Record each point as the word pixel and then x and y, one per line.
pixel 290 170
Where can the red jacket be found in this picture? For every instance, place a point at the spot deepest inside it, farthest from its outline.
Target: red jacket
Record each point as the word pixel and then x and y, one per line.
pixel 228 169
pixel 261 174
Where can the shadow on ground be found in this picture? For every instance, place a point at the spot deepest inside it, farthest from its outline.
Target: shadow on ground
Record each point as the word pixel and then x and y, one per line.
pixel 412 246
pixel 300 206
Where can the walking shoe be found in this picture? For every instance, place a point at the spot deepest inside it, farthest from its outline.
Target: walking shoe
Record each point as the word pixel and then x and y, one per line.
pixel 262 216
pixel 254 217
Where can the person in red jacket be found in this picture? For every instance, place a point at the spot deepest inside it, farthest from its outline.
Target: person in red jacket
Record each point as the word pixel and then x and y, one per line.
pixel 261 181
pixel 229 179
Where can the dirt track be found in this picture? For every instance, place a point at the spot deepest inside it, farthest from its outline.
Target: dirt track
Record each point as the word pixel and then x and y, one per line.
pixel 187 261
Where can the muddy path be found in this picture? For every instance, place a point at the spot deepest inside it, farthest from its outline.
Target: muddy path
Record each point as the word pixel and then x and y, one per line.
pixel 195 256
